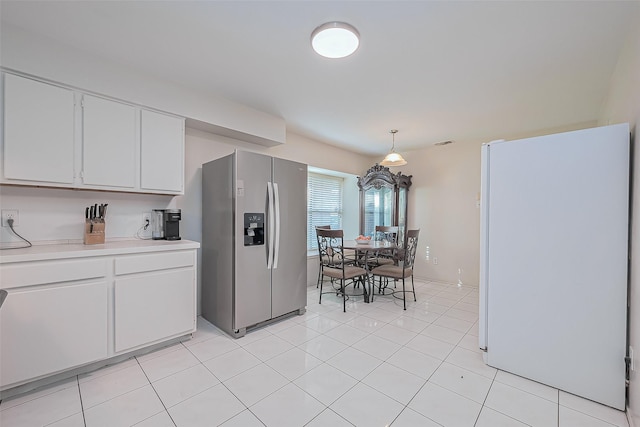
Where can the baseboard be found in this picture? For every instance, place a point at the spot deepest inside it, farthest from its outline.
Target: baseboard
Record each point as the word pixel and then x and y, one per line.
pixel 70 373
pixel 442 282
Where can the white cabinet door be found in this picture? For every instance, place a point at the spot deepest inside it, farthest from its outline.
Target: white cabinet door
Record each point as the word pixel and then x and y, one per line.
pixel 109 143
pixel 48 330
pixel 38 131
pixel 162 152
pixel 153 306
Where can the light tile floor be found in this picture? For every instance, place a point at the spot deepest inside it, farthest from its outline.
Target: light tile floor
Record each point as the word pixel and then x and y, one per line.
pixel 375 365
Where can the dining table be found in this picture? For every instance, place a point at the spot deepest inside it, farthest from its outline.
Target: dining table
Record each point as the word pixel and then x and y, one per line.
pixel 363 251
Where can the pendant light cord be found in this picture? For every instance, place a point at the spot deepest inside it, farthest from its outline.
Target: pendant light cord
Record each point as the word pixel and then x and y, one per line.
pixel 393 139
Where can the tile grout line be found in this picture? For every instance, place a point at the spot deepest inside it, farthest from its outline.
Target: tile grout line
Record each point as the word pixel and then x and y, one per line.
pixel 486 397
pixel 157 395
pixel 558 417
pixel 329 409
pixel 84 418
pixel 234 395
pixel 420 389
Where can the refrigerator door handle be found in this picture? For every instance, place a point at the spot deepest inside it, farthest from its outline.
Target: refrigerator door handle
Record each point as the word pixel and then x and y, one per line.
pixel 270 230
pixel 484 251
pixel 276 205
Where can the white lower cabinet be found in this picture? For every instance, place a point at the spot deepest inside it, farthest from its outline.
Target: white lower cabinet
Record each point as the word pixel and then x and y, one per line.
pixel 48 330
pixel 154 298
pixel 63 313
pixel 150 307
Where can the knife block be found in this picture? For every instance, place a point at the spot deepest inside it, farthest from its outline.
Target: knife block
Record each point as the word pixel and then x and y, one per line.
pixel 94 235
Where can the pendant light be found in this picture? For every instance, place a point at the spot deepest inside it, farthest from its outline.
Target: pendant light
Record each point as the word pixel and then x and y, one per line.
pixel 393 158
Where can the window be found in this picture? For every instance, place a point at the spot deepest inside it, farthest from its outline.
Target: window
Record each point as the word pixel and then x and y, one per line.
pixel 324 204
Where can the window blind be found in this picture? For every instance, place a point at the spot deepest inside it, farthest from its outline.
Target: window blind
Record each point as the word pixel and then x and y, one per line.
pixel 324 204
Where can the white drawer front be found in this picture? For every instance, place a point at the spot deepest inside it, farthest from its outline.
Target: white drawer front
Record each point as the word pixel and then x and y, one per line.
pixel 151 262
pixel 38 273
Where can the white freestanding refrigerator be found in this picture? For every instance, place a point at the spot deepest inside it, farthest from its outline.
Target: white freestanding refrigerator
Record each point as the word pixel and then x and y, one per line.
pixel 554 257
pixel 254 247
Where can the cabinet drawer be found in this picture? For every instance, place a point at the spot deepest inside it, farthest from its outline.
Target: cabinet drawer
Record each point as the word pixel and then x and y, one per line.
pixel 152 262
pixel 38 273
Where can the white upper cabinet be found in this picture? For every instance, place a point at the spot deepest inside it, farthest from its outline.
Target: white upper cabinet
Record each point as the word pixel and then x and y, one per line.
pixel 95 143
pixel 38 131
pixel 162 152
pixel 109 138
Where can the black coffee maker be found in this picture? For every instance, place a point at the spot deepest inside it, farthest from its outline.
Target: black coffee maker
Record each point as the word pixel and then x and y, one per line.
pixel 166 224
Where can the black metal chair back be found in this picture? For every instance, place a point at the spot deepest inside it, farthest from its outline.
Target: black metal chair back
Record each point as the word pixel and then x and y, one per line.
pixel 405 257
pixel 335 266
pixel 410 248
pixel 387 232
pixel 330 244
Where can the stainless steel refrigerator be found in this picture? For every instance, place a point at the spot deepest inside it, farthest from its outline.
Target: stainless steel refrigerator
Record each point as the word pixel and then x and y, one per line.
pixel 254 249
pixel 553 274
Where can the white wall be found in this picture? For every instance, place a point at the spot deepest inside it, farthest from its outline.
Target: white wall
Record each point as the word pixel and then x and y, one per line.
pixel 442 204
pixel 623 105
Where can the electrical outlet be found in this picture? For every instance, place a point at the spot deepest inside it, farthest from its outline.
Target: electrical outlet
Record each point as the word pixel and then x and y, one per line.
pixel 146 219
pixel 144 231
pixel 8 214
pixel 435 260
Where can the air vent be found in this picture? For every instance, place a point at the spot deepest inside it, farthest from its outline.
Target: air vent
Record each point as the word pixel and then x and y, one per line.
pixel 443 143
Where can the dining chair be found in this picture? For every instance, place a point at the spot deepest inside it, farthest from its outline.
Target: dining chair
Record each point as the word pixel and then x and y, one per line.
pixel 404 268
pixel 326 227
pixel 387 233
pixel 335 266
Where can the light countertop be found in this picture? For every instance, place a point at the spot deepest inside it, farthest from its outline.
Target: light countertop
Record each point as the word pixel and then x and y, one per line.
pixel 79 250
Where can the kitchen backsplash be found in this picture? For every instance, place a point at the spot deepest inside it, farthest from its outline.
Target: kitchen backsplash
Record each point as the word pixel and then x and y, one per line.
pixel 49 215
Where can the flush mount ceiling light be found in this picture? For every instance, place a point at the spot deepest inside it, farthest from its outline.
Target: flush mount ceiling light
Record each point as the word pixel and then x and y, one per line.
pixel 335 40
pixel 393 158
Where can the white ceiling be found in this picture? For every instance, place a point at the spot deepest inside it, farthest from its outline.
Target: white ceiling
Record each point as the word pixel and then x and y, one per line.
pixel 435 70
